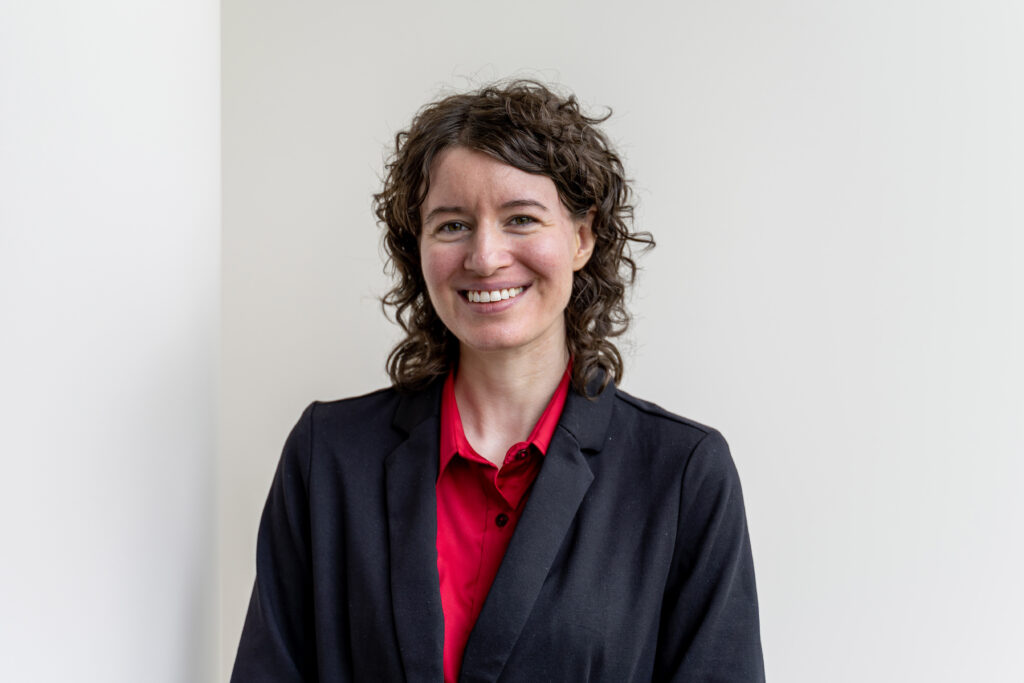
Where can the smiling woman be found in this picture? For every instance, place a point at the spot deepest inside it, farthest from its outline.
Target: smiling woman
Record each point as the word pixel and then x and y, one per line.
pixel 504 511
pixel 529 129
pixel 488 232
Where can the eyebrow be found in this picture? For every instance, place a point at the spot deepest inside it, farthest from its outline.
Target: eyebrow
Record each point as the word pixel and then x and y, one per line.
pixel 511 204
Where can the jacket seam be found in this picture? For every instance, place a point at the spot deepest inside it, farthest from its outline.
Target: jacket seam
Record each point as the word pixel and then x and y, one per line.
pixel 659 412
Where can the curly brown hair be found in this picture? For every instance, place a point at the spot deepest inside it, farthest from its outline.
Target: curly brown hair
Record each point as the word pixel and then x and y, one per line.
pixel 525 124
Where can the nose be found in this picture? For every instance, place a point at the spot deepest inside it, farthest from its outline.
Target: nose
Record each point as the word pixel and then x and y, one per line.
pixel 488 252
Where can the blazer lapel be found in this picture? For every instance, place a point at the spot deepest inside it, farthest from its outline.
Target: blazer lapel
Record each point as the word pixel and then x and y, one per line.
pixel 411 475
pixel 556 496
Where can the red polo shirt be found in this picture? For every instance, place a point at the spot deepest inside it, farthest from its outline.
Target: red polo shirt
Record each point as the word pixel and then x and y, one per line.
pixel 478 507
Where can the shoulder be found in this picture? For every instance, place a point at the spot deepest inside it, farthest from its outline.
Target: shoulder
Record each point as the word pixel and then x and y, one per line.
pixel 340 420
pixel 652 418
pixel 366 408
pixel 655 414
pixel 701 450
pixel 366 426
pixel 685 451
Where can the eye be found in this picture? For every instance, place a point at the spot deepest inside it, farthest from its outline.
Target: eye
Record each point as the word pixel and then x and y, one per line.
pixel 521 220
pixel 452 228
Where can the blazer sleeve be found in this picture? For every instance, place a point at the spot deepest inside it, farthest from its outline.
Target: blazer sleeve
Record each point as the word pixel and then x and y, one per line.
pixel 709 625
pixel 278 642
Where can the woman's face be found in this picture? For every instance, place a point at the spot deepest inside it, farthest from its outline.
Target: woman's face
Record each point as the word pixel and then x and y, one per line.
pixel 498 251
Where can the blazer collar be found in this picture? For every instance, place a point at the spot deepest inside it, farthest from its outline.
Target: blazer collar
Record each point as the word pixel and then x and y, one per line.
pixel 587 419
pixel 411 475
pixel 414 408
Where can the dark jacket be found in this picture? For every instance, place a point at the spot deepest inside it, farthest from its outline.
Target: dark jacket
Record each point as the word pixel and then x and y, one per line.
pixel 631 561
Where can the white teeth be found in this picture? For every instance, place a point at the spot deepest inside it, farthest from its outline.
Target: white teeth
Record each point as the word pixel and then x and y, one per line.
pixel 484 296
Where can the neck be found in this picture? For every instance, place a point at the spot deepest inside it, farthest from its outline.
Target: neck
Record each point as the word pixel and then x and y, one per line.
pixel 501 396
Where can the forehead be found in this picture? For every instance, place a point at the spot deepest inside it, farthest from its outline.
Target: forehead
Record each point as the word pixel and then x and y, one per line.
pixel 467 178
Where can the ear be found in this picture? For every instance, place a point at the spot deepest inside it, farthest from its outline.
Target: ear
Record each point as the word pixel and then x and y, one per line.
pixel 584 239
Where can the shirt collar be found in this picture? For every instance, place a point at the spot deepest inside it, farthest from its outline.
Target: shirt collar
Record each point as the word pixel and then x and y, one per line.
pixel 453 436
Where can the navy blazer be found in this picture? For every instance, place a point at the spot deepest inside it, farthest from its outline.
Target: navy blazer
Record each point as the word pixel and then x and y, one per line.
pixel 631 561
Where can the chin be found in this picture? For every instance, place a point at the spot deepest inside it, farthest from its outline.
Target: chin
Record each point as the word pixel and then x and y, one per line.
pixel 492 344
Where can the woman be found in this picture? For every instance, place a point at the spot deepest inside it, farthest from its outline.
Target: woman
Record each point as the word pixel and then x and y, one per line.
pixel 503 511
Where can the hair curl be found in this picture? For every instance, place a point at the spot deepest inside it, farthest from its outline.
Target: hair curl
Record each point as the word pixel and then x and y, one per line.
pixel 525 124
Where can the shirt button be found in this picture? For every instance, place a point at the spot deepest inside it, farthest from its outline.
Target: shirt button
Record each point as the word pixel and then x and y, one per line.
pixel 501 520
pixel 521 454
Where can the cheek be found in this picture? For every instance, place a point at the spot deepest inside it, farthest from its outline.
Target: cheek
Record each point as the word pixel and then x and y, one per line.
pixel 432 266
pixel 555 261
pixel 438 266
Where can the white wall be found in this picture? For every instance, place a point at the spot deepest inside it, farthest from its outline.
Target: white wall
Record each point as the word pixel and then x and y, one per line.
pixel 109 299
pixel 835 188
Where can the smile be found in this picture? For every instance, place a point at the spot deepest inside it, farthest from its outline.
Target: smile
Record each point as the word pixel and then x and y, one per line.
pixel 485 296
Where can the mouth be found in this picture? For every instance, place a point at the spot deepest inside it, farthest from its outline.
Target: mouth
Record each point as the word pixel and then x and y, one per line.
pixel 484 296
